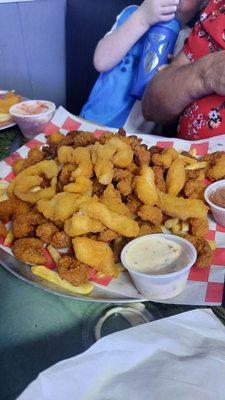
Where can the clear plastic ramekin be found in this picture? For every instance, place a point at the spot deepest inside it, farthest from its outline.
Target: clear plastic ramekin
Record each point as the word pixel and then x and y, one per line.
pixel 217 212
pixel 163 286
pixel 32 124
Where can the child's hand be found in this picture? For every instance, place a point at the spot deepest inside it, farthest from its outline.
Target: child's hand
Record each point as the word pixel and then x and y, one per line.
pixel 153 11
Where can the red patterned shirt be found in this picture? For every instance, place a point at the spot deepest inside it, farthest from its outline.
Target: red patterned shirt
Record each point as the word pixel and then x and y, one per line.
pixel 205 117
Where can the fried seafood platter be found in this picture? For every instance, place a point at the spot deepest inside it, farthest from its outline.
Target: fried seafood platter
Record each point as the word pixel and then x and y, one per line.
pixel 77 201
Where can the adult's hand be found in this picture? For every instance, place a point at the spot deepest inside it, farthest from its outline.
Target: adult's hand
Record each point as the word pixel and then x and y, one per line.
pixel 174 88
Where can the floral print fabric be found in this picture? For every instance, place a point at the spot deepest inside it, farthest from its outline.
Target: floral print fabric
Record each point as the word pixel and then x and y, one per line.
pixel 205 117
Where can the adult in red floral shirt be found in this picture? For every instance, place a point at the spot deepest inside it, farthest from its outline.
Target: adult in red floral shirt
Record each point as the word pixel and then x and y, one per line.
pixel 191 89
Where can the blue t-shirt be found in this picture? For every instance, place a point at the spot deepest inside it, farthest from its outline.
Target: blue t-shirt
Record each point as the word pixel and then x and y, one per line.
pixel 110 102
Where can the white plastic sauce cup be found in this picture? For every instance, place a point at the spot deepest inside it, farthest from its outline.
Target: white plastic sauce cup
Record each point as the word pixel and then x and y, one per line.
pixel 163 286
pixel 32 124
pixel 217 212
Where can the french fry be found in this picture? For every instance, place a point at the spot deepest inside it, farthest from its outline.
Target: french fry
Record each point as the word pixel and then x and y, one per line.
pixel 198 165
pixel 188 160
pixel 212 244
pixel 3 185
pixel 53 277
pixel 185 227
pixel 171 222
pixel 3 191
pixel 54 253
pixel 193 152
pixel 9 238
pixel 4 117
pixel 176 228
pixel 164 229
pixel 36 189
pixel 3 197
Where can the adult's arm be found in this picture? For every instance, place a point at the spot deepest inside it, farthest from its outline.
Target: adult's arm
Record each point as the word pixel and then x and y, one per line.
pixel 181 83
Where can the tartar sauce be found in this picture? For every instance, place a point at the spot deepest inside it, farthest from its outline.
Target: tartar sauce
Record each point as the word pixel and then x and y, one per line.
pixel 156 256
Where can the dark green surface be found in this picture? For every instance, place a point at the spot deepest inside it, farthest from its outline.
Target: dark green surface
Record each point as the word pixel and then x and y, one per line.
pixel 9 137
pixel 38 329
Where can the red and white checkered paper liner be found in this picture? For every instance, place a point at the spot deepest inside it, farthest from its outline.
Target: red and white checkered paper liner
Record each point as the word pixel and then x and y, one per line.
pixel 205 286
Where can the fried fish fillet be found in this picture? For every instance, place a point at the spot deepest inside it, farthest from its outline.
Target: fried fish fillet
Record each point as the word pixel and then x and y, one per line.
pixel 96 254
pixel 217 170
pixel 144 186
pixel 181 208
pixel 81 225
pixel 176 177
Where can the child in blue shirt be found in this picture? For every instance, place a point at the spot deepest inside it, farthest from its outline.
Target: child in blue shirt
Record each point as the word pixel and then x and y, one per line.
pixel 116 57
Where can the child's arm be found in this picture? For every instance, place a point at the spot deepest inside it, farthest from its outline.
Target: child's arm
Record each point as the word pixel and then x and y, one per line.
pixel 113 47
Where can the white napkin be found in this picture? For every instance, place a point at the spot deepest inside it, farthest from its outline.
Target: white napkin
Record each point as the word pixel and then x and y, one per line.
pixel 181 357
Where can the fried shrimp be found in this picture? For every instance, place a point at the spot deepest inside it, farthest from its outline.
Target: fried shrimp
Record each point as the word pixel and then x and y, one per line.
pixel 107 235
pixel 199 226
pixel 3 230
pixel 81 159
pixel 112 199
pixel 35 155
pixel 144 186
pixel 24 225
pixel 13 207
pixel 119 223
pixel 65 174
pixel 133 203
pixel 141 153
pixel 216 169
pixel 204 251
pixel 27 184
pixel 165 158
pixel 102 161
pixel 82 185
pixel 195 189
pixel 114 153
pixel 46 231
pixel 74 139
pixel 159 178
pixel 72 270
pixel 124 179
pixel 29 250
pixel 176 177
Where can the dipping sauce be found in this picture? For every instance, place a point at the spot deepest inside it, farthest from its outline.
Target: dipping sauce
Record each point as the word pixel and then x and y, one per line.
pixel 32 108
pixel 157 256
pixel 218 197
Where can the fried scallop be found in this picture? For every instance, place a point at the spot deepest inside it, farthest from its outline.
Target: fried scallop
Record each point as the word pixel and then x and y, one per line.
pixel 72 270
pixel 29 250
